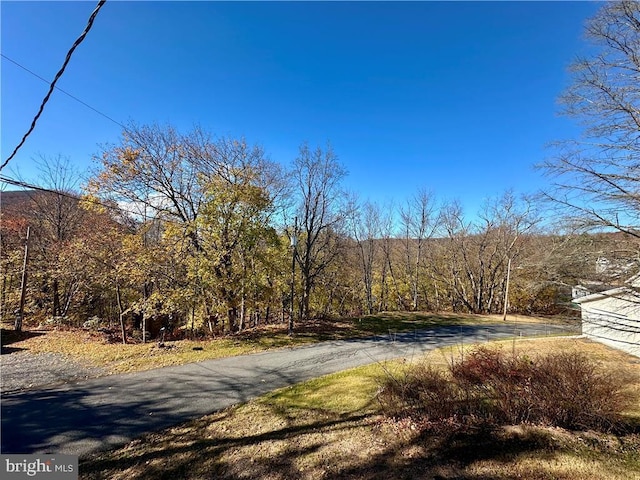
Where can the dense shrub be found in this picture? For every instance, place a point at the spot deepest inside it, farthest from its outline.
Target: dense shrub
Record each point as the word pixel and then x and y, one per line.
pixel 422 392
pixel 487 386
pixel 573 391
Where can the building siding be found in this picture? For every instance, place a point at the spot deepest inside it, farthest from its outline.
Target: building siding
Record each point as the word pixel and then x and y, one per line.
pixel 613 319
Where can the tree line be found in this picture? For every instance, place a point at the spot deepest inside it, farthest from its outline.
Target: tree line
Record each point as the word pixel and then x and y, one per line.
pixel 207 232
pixel 191 231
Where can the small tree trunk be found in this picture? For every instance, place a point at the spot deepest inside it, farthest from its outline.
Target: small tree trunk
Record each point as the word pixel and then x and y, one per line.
pixel 506 292
pixel 233 319
pixel 23 286
pixel 121 314
pixel 193 319
pixel 56 299
pixel 69 296
pixel 242 313
pixel 144 327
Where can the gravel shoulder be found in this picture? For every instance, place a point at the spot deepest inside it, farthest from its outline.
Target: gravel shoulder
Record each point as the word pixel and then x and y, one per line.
pixel 23 370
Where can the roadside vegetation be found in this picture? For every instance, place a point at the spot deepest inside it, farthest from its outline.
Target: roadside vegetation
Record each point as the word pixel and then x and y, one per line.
pixel 337 427
pixel 487 387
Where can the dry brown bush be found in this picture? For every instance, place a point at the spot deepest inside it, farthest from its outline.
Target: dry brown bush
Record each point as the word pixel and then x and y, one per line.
pixel 488 387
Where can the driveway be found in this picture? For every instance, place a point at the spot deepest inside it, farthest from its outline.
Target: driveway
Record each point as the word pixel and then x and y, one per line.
pixel 101 413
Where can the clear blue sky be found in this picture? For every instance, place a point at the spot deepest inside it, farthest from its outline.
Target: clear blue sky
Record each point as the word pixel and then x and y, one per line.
pixel 457 98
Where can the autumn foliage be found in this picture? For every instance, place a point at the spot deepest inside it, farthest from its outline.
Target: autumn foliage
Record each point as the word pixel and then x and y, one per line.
pixel 193 233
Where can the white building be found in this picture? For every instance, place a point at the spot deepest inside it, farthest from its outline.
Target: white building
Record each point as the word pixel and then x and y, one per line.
pixel 612 316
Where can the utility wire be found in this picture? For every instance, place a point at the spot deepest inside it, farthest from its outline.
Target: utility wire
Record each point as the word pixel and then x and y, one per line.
pixel 63 91
pixel 55 80
pixel 19 183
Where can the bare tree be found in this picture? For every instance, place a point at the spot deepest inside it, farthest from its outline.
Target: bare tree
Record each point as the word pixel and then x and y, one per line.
pixel 597 176
pixel 56 217
pixel 477 254
pixel 321 211
pixel 154 169
pixel 366 230
pixel 419 223
pixel 388 264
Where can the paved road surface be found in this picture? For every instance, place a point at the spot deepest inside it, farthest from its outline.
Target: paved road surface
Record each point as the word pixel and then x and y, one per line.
pixel 105 412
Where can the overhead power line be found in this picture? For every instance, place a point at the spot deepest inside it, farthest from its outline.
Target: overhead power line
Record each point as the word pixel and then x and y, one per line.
pixel 55 80
pixel 62 91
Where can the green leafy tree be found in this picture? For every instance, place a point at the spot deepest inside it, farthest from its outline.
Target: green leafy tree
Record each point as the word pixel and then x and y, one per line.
pixel 235 234
pixel 211 202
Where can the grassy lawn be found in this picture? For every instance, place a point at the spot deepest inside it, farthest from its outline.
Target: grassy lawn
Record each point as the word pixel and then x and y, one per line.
pixel 331 428
pixel 91 348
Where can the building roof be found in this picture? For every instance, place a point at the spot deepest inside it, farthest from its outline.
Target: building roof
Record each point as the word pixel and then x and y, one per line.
pixel 614 292
pixel 632 286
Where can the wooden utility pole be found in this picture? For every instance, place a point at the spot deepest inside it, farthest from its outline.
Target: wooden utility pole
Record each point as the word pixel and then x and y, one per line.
pixel 23 284
pixel 506 292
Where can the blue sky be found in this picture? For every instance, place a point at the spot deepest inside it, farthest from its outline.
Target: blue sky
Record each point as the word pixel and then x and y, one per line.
pixel 453 97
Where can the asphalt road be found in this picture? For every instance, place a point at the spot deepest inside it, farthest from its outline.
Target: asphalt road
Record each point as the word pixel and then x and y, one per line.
pixel 106 412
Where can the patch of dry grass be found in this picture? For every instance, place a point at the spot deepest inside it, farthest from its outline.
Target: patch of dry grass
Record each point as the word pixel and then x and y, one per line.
pixel 330 428
pixel 118 358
